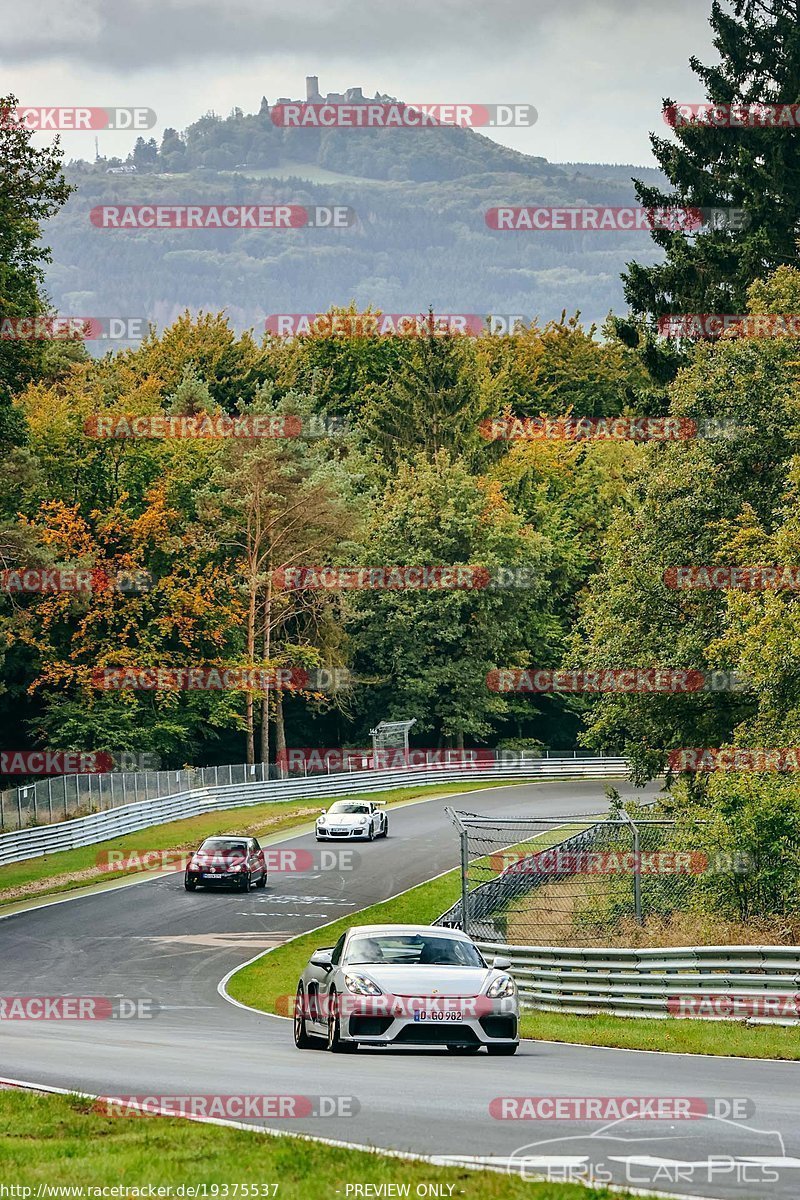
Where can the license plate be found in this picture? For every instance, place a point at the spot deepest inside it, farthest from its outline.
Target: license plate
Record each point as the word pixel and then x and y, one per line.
pixel 436 1014
pixel 338 831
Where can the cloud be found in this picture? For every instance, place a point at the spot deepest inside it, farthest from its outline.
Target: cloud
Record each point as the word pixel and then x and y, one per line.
pixel 137 34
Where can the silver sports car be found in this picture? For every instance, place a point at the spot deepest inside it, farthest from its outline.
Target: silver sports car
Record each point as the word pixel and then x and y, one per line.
pixel 406 985
pixel 364 819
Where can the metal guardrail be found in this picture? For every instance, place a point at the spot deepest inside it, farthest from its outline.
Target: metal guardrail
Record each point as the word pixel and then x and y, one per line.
pixel 64 797
pixel 756 983
pixel 129 818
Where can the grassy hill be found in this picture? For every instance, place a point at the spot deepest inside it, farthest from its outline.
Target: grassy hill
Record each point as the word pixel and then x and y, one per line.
pixel 420 238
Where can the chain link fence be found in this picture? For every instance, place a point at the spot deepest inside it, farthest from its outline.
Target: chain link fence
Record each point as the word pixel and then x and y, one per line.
pixel 59 798
pixel 578 880
pixel 62 797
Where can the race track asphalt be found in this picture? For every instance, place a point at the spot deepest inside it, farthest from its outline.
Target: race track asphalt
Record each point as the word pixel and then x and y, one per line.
pixel 154 940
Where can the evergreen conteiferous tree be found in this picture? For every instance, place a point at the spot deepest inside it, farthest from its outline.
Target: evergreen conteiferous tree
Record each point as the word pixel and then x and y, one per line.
pixel 752 168
pixel 32 188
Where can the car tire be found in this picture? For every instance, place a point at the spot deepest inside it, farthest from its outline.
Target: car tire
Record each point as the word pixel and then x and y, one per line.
pixel 463 1049
pixel 334 1042
pixel 244 886
pixel 371 837
pixel 262 883
pixel 386 830
pixel 302 1039
pixel 190 884
pixel 503 1048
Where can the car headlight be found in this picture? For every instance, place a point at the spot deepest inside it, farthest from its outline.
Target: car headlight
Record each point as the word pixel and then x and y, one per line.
pixel 361 985
pixel 363 820
pixel 320 820
pixel 504 986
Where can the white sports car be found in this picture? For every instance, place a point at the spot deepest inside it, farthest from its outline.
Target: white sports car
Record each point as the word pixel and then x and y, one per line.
pixel 406 985
pixel 362 819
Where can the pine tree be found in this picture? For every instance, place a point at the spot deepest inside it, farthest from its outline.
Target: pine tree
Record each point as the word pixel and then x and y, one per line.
pixel 755 169
pixel 32 188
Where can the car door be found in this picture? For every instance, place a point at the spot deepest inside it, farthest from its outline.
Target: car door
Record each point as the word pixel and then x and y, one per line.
pixel 260 867
pixel 253 865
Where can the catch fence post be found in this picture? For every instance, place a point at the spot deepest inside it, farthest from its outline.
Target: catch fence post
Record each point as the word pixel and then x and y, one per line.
pixel 464 880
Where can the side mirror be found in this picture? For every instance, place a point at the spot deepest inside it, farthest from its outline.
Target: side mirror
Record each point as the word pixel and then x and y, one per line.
pixel 501 964
pixel 323 811
pixel 322 958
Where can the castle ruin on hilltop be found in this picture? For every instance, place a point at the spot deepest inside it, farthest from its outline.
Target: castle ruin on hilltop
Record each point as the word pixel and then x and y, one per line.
pixel 353 95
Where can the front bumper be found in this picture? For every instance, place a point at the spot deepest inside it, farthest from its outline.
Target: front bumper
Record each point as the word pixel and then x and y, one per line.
pixel 356 831
pixel 492 1028
pixel 206 879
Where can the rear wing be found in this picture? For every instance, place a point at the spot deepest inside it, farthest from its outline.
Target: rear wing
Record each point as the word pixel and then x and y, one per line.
pixel 379 803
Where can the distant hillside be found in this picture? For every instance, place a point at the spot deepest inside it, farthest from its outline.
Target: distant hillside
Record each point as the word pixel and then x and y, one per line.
pixel 420 239
pixel 624 171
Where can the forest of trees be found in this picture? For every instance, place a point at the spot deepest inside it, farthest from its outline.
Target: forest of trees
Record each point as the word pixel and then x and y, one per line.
pixel 389 465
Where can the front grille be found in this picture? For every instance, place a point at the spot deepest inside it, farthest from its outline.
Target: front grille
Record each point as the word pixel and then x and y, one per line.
pixel 504 1026
pixel 430 1033
pixel 369 1026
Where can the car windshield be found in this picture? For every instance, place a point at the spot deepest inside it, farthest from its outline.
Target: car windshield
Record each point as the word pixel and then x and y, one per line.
pixel 222 846
pixel 343 806
pixel 413 949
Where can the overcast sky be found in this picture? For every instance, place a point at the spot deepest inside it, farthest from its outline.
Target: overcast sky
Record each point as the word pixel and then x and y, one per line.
pixel 596 70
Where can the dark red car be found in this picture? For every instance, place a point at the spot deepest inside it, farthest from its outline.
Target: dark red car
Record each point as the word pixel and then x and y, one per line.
pixel 235 861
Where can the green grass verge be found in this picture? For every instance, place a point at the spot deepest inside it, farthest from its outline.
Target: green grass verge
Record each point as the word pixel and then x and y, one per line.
pixel 724 1038
pixel 270 983
pixel 59 1140
pixel 67 870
